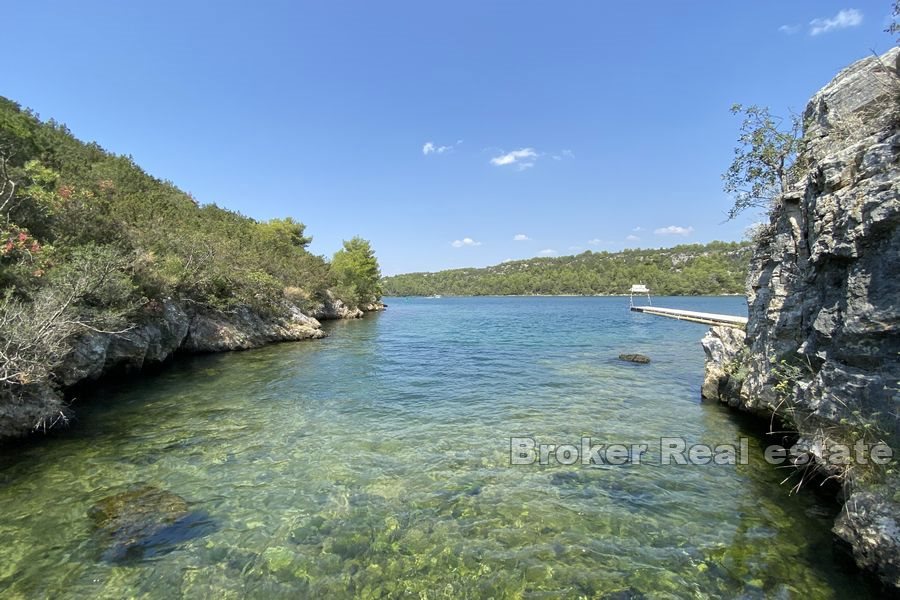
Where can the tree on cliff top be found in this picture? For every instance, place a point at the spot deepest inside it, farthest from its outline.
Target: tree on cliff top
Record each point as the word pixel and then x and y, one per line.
pixel 894 27
pixel 765 160
pixel 356 273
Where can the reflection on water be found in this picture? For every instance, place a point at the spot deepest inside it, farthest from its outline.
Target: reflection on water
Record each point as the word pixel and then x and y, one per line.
pixel 375 463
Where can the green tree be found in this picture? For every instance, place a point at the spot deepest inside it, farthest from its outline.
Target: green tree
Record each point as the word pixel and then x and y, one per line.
pixel 356 272
pixel 894 27
pixel 285 231
pixel 714 268
pixel 765 160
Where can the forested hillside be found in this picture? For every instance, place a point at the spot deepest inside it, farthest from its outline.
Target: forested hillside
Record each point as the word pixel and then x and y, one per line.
pixel 694 269
pixel 90 242
pixel 63 200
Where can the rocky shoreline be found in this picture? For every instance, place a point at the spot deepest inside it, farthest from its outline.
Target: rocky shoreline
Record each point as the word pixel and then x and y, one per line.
pixel 821 353
pixel 164 329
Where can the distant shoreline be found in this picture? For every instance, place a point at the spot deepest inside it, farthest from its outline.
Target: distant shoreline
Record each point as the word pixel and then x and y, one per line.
pixel 562 296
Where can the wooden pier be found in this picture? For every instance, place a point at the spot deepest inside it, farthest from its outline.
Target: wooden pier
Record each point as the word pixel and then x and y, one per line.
pixel 693 316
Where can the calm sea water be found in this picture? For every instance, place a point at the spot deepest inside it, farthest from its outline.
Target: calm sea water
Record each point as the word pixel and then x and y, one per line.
pixel 376 463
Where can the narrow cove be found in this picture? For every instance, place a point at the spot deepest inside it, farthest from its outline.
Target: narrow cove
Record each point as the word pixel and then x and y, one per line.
pixel 377 461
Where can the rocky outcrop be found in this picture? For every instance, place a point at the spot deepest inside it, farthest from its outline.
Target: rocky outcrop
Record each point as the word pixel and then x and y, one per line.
pixel 724 348
pixel 823 338
pixel 374 307
pixel 163 329
pixel 168 327
pixel 243 329
pixel 332 308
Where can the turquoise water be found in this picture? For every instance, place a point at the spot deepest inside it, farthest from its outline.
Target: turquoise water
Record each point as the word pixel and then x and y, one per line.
pixel 376 463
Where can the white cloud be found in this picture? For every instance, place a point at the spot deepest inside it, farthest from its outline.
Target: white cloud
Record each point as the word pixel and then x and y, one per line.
pixel 674 230
pixel 522 158
pixel 521 237
pixel 789 29
pixel 639 228
pixel 508 260
pixel 849 17
pixel 574 248
pixel 632 238
pixel 430 148
pixel 464 242
pixel 547 252
pixel 597 242
pixel 563 155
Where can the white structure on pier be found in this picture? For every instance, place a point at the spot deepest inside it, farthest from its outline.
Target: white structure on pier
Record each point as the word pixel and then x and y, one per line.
pixel 639 288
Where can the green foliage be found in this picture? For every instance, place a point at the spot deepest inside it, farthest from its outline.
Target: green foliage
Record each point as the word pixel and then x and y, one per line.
pixel 894 27
pixel 58 193
pixel 694 269
pixel 86 237
pixel 765 161
pixel 356 273
pixel 285 232
pixel 787 375
pixel 89 290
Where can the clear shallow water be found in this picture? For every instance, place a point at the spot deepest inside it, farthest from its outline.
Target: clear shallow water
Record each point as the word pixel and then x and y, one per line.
pixel 376 463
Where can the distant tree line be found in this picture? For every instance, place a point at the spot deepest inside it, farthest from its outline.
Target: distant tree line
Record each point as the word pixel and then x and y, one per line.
pixel 694 269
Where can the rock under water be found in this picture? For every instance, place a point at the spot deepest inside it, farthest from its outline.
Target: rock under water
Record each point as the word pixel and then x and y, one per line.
pixel 635 358
pixel 144 522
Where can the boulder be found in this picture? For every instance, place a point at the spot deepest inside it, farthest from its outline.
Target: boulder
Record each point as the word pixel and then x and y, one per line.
pixel 635 358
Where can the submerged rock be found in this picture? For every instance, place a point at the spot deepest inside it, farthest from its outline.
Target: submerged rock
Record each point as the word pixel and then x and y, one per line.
pixel 635 358
pixel 626 594
pixel 143 522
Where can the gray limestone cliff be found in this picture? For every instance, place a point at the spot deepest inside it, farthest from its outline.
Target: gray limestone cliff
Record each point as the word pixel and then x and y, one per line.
pixel 822 346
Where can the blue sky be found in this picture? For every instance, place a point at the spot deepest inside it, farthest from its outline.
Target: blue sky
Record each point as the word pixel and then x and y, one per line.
pixel 438 130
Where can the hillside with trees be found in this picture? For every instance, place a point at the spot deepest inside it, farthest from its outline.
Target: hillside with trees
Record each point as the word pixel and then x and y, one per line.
pixel 89 242
pixel 693 269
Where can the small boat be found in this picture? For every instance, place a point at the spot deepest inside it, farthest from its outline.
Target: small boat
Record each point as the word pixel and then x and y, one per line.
pixel 435 296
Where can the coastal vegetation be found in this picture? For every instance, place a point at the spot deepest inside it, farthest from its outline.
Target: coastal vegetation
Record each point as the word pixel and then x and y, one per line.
pixel 765 161
pixel 691 269
pixel 91 242
pixel 356 273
